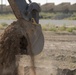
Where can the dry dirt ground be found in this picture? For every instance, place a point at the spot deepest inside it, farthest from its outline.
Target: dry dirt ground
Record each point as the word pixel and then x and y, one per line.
pixel 60 49
pixel 59 54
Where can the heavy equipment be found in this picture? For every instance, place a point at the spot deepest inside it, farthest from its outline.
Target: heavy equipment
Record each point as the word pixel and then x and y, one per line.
pixel 29 12
pixel 24 10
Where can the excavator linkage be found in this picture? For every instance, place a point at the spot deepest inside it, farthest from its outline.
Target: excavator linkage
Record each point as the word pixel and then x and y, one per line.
pixel 24 10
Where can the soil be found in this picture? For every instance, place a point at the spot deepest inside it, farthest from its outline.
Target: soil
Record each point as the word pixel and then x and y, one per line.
pixel 60 50
pixel 58 55
pixel 15 41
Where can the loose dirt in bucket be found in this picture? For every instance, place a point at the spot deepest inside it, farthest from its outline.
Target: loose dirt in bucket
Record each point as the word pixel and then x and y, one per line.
pixel 14 41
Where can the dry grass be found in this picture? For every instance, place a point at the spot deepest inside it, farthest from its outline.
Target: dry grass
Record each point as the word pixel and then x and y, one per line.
pixel 57 28
pixel 3 26
pixel 7 16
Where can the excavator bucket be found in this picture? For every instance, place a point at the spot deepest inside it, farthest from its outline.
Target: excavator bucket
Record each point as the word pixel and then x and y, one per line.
pixel 36 39
pixel 30 12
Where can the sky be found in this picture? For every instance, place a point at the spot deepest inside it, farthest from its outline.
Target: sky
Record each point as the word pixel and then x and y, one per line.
pixel 44 1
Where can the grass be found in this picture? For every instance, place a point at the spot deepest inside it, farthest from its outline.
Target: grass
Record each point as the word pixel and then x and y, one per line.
pixel 58 15
pixel 45 15
pixel 7 16
pixel 72 17
pixel 3 25
pixel 70 29
pixel 49 28
pixel 62 28
pixel 56 29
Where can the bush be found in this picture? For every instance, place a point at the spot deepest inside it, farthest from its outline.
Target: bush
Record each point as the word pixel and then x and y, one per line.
pixel 74 28
pixel 4 24
pixel 70 29
pixel 44 28
pixel 62 28
pixel 53 29
pixel 1 26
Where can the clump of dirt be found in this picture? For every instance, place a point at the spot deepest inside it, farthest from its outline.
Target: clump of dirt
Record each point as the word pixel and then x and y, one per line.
pixel 13 41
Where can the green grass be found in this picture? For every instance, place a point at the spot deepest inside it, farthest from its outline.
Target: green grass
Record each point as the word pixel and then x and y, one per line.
pixel 72 17
pixel 58 15
pixel 62 28
pixel 49 28
pixel 3 25
pixel 45 15
pixel 70 29
pixel 56 29
pixel 7 16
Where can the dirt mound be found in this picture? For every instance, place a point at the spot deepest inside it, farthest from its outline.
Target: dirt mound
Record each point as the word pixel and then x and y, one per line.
pixel 13 42
pixel 21 37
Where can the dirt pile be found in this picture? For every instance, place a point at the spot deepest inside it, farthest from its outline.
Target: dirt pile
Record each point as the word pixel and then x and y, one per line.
pixel 14 41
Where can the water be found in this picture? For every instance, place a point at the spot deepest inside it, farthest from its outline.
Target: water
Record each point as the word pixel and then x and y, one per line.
pixel 48 21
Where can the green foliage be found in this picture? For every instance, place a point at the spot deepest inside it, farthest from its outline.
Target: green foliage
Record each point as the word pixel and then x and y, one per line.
pixel 44 28
pixel 72 17
pixel 69 29
pixel 58 15
pixel 49 28
pixel 1 26
pixel 44 15
pixel 74 28
pixel 52 28
pixel 4 24
pixel 55 28
pixel 62 28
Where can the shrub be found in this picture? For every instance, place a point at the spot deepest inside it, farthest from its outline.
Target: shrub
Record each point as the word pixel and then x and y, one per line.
pixel 1 26
pixel 44 28
pixel 52 29
pixel 62 28
pixel 70 29
pixel 4 24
